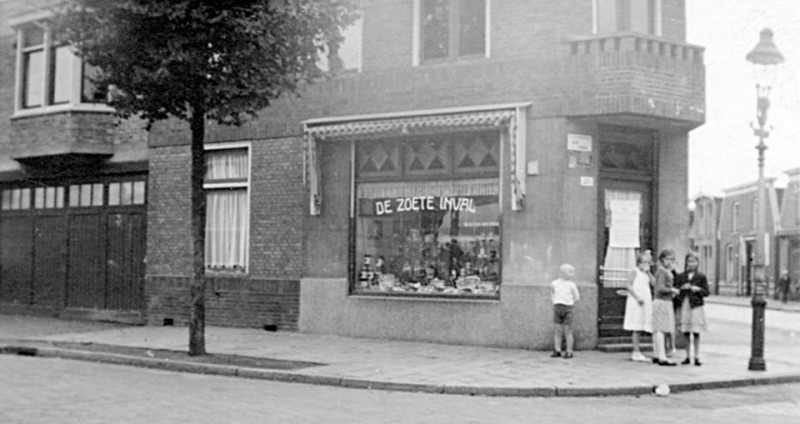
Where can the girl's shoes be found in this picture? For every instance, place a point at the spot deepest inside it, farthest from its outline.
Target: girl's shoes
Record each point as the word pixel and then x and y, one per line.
pixel 638 357
pixel 697 363
pixel 568 355
pixel 666 363
pixel 686 361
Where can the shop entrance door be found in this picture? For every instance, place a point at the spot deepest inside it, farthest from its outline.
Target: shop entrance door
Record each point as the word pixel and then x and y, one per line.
pixel 624 230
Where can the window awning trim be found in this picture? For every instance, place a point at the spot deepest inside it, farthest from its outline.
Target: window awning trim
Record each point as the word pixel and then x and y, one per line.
pixel 510 117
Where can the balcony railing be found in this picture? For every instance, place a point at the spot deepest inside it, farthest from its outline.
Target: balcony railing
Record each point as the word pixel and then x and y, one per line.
pixel 635 42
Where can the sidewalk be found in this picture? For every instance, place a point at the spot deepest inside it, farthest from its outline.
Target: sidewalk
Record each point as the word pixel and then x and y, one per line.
pixel 406 366
pixel 744 301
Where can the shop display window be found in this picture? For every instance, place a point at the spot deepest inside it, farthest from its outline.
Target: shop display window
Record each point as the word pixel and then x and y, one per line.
pixel 428 216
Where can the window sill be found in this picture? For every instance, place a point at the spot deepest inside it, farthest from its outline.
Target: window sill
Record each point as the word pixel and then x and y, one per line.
pixel 83 107
pixel 225 274
pixel 425 298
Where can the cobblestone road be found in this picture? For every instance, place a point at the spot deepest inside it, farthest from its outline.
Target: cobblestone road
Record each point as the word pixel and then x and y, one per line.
pixel 45 390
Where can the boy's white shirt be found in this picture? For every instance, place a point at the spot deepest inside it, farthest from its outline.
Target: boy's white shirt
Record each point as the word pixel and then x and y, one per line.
pixel 565 292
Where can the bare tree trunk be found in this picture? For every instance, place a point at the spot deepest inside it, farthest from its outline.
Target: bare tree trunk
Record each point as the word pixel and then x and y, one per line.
pixel 197 322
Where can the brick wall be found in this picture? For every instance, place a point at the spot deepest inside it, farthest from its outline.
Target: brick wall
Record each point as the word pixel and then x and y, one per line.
pixel 269 293
pixel 230 301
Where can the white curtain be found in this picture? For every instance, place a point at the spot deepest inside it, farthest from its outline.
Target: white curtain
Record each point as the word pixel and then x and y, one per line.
pixel 226 165
pixel 619 260
pixel 227 209
pixel 226 229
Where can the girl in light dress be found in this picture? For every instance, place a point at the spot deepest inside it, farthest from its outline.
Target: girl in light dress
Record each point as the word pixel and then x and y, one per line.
pixel 639 305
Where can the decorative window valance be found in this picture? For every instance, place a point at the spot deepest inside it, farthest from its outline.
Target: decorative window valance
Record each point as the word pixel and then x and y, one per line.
pixel 509 118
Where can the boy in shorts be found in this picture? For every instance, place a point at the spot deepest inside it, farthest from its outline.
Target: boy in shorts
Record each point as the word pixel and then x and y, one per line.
pixel 564 295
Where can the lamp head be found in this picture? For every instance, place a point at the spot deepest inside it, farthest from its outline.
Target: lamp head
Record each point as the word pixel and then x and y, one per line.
pixel 765 57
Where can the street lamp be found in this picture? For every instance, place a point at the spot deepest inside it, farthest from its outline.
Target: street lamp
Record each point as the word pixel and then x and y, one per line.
pixel 765 58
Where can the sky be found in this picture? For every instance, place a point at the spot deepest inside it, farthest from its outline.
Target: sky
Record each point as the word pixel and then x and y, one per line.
pixel 722 152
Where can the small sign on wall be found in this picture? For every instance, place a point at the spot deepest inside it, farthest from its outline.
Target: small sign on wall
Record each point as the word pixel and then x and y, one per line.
pixel 587 181
pixel 579 149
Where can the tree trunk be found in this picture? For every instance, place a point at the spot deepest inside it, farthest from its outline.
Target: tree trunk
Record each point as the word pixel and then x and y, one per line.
pixel 197 322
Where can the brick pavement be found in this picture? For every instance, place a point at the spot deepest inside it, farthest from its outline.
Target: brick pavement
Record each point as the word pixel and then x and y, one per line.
pixel 458 369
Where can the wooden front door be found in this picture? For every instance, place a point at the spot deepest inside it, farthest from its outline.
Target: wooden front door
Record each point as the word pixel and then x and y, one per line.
pixel 625 228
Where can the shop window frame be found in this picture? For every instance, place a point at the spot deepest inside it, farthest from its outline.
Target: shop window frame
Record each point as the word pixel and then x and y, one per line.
pixel 402 175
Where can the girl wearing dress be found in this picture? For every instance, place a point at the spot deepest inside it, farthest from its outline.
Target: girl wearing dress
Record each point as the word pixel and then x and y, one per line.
pixel 639 305
pixel 663 314
pixel 693 288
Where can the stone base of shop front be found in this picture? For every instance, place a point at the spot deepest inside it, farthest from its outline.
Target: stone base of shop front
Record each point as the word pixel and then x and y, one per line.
pixel 521 318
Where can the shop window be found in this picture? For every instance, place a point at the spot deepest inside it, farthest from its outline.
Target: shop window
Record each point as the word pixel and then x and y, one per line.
pixel 628 15
pixel 452 28
pixel 428 216
pixel 227 212
pixel 50 74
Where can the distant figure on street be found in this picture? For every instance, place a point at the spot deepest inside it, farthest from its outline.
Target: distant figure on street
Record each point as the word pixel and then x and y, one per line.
pixel 639 305
pixel 564 294
pixel 693 288
pixel 663 313
pixel 785 283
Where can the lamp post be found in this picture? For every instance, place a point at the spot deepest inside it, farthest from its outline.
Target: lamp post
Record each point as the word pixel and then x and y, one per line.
pixel 765 57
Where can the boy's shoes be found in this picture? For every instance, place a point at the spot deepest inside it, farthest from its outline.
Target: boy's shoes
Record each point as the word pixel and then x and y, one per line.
pixel 568 355
pixel 686 361
pixel 638 357
pixel 555 354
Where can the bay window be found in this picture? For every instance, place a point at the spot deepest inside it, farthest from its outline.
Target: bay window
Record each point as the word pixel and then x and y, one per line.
pixel 50 74
pixel 227 208
pixel 428 215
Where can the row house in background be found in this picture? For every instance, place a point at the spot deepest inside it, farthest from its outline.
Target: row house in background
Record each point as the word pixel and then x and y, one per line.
pixel 431 191
pixel 704 234
pixel 788 234
pixel 727 251
pixel 73 181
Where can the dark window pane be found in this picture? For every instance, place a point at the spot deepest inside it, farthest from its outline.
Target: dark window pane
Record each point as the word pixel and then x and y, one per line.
pixel 435 29
pixel 32 35
pixel 472 34
pixel 90 92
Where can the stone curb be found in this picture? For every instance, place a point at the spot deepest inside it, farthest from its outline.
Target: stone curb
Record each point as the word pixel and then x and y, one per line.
pixel 289 377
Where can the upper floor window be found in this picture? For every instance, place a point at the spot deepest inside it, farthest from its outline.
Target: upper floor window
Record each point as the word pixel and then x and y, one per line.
pixel 347 56
pixel 49 73
pixel 447 29
pixel 736 217
pixel 754 212
pixel 628 15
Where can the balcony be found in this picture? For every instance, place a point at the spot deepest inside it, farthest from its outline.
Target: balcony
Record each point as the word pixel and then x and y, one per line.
pixel 625 76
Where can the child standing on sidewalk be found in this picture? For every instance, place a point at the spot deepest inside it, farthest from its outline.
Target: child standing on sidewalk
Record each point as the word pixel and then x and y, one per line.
pixel 564 295
pixel 663 313
pixel 639 305
pixel 694 287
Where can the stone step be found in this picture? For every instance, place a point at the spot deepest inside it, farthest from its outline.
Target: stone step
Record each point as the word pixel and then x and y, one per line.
pixel 623 347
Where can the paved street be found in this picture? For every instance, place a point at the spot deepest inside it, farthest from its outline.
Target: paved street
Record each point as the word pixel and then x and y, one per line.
pixel 46 390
